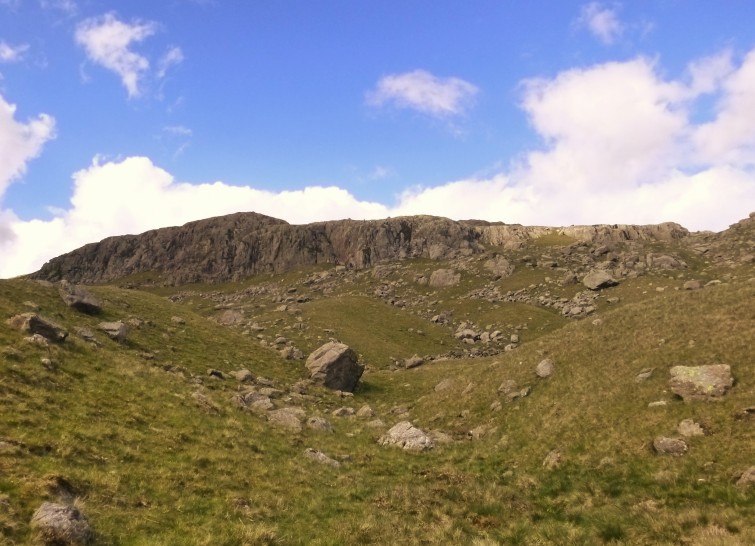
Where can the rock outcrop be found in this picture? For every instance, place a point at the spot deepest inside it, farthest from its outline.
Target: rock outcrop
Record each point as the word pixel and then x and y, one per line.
pixel 237 246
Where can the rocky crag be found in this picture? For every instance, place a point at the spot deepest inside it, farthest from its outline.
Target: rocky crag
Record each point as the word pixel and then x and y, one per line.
pixel 239 245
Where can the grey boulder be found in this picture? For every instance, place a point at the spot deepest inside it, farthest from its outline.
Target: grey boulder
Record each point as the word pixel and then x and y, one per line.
pixel 335 366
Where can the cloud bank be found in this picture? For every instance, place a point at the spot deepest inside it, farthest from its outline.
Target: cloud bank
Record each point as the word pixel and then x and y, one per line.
pixel 620 143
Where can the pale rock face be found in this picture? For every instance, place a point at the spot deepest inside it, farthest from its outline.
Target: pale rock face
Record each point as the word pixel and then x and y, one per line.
pixel 408 437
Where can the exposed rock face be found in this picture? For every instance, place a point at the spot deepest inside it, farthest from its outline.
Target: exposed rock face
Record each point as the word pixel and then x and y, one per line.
pixel 701 382
pixel 34 324
pixel 335 366
pixel 239 245
pixel 61 525
pixel 408 437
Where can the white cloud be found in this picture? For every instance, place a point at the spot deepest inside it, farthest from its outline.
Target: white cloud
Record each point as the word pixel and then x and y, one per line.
pixel 108 41
pixel 133 195
pixel 172 57
pixel 603 22
pixel 177 130
pixel 69 7
pixel 420 90
pixel 20 142
pixel 620 144
pixel 10 53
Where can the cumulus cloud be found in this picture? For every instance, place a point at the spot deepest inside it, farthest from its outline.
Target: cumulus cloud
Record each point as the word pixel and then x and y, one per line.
pixel 134 195
pixel 603 22
pixel 422 91
pixel 620 144
pixel 107 41
pixel 68 7
pixel 10 53
pixel 20 141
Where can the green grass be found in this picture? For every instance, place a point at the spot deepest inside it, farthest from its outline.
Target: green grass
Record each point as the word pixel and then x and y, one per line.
pixel 153 467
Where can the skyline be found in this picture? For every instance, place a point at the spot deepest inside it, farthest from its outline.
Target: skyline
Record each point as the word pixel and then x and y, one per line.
pixel 121 117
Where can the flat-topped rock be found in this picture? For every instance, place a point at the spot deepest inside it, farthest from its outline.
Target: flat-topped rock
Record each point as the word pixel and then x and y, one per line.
pixel 407 437
pixel 701 382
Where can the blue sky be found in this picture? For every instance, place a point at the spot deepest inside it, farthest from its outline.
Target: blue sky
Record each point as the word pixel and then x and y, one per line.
pixel 119 117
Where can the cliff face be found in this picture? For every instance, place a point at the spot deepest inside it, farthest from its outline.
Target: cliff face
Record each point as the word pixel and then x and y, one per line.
pixel 243 244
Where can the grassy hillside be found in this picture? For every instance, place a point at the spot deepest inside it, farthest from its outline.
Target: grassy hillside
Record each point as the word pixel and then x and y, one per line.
pixel 155 450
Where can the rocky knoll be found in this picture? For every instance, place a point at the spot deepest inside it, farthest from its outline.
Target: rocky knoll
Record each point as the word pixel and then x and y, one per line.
pixel 243 244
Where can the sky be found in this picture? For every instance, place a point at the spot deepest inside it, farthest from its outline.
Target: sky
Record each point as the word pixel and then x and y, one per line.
pixel 123 116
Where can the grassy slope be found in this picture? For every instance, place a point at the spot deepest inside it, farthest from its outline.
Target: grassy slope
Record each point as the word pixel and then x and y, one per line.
pixel 154 468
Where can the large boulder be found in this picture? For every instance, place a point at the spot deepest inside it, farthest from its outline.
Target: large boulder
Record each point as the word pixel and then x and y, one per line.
pixel 499 266
pixel 669 446
pixel 408 437
pixel 545 368
pixel 441 278
pixel 335 366
pixel 597 279
pixel 34 324
pixel 79 298
pixel 701 382
pixel 62 525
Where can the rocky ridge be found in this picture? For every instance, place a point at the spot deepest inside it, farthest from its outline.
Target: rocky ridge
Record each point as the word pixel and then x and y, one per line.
pixel 236 246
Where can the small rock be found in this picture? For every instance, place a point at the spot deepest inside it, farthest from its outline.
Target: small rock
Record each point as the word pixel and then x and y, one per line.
pixel 365 412
pixel 701 382
pixel 58 524
pixel 242 376
pixel 552 460
pixel 178 320
pixel 79 298
pixel 230 317
pixel 287 418
pixel 413 362
pixel 644 375
pixel 408 437
pixel 545 368
pixel 689 428
pixel 320 457
pixel 37 340
pixel 692 285
pixel 444 385
pixel 217 374
pixel 344 411
pixel 318 423
pixel 34 324
pixel 658 404
pixel 669 446
pixel 441 278
pixel 747 478
pixel 114 330
pixel 597 279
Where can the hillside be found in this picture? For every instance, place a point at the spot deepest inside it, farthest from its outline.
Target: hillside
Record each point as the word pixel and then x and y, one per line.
pixel 158 439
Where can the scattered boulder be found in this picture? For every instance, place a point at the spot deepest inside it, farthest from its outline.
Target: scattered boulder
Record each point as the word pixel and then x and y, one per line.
pixel 86 334
pixel 444 385
pixel 205 403
pixel 669 446
pixel 644 375
pixel 287 418
pixel 365 412
pixel 701 382
pixel 689 428
pixel 692 285
pixel 545 368
pixel 344 411
pixel 61 525
pixel 178 320
pixel 79 298
pixel 242 376
pixel 747 478
pixel 34 324
pixel 291 353
pixel 597 279
pixel 38 340
pixel 230 317
pixel 320 457
pixel 114 330
pixel 413 362
pixel 335 366
pixel 318 423
pixel 408 437
pixel 499 266
pixel 552 460
pixel 441 278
